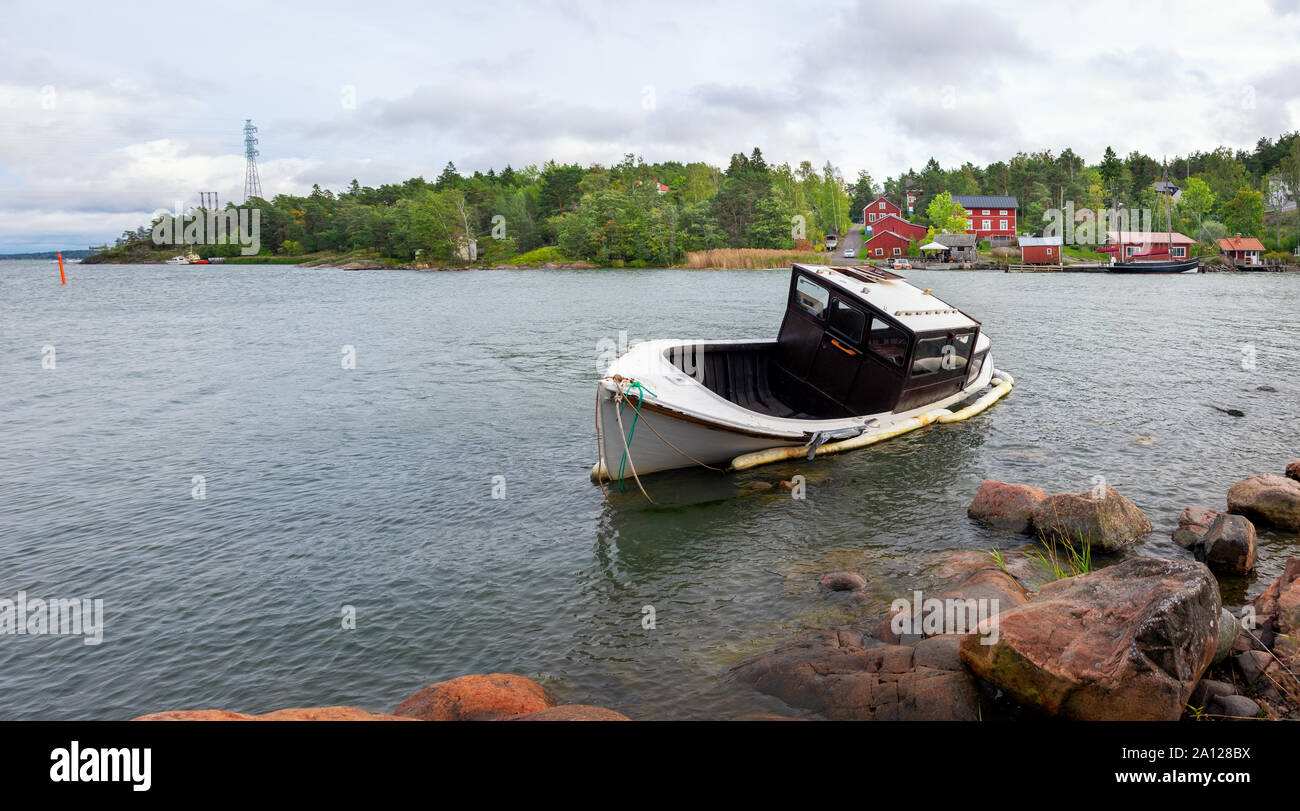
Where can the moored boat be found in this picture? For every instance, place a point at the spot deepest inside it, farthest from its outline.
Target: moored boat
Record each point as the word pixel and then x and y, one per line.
pixel 861 356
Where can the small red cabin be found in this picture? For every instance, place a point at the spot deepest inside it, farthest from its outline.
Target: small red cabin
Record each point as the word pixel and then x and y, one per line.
pixel 878 209
pixel 1040 250
pixel 886 245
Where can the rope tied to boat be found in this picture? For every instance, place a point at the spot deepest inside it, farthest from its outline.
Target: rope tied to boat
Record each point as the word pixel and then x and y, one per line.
pixel 624 387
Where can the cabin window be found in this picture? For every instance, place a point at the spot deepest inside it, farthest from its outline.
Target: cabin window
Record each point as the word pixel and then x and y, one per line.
pixel 1180 252
pixel 882 205
pixel 848 321
pixel 887 342
pixel 810 296
pixel 898 251
pixel 944 355
pixel 873 216
pixel 880 251
pixel 1129 250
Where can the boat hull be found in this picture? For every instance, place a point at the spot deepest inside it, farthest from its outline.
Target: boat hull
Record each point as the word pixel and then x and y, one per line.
pixel 1179 266
pixel 647 436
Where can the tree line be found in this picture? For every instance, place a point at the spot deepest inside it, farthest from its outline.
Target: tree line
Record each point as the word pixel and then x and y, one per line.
pixel 640 214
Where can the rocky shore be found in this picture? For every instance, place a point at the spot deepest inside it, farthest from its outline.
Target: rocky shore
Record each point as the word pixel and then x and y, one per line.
pixel 1141 639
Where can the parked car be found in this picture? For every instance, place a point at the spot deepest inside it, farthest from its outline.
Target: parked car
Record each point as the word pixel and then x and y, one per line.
pixel 902 264
pixel 849 253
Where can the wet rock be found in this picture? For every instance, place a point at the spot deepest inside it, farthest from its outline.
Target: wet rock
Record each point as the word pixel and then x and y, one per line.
pixel 842 581
pixel 330 714
pixel 1108 523
pixel 477 697
pixel 196 715
pixel 1228 545
pixel 1005 506
pixel 831 674
pixel 1193 523
pixel 1277 608
pixel 1269 389
pixel 574 712
pixel 1269 499
pixel 1234 707
pixel 998 590
pixel 1128 642
pixel 294 714
pixel 1252 664
pixel 1229 627
pixel 756 487
pixel 1293 470
pixel 1207 690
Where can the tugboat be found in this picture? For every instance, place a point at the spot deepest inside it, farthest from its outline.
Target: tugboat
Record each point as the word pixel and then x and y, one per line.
pixel 861 356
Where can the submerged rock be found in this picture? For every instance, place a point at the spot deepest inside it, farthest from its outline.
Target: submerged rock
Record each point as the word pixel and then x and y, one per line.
pixel 833 674
pixel 295 714
pixel 1128 642
pixel 480 697
pixel 1228 545
pixel 842 581
pixel 1108 523
pixel 1267 498
pixel 1193 524
pixel 1005 506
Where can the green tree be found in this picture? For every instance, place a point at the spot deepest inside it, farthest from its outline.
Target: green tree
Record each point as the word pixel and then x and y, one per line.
pixel 946 215
pixel 1244 213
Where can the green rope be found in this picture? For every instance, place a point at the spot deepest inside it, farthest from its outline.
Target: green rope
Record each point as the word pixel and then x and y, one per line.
pixel 641 393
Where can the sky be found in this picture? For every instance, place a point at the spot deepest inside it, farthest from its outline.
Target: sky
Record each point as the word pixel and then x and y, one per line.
pixel 110 112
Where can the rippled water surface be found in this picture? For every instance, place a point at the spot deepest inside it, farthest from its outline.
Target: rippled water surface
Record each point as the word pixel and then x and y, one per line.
pixel 373 487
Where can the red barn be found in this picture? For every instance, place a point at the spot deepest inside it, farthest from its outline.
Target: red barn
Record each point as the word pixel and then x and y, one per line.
pixel 879 208
pixel 886 244
pixel 900 226
pixel 1040 250
pixel 989 215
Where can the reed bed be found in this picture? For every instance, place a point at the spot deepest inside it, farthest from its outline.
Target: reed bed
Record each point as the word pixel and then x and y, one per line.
pixel 749 258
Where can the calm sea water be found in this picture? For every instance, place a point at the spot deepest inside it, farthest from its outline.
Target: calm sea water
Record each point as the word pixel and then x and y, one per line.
pixel 373 487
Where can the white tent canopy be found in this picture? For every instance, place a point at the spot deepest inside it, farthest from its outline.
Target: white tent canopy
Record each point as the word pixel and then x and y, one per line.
pixel 934 246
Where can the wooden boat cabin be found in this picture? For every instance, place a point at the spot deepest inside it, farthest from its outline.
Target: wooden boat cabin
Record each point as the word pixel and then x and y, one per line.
pixel 854 341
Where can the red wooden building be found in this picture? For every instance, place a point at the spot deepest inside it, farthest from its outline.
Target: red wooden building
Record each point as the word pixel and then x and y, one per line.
pixel 879 208
pixel 989 215
pixel 1149 244
pixel 1246 251
pixel 900 226
pixel 1040 250
pixel 886 244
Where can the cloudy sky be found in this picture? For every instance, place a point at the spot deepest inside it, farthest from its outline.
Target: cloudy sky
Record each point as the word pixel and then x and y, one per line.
pixel 111 111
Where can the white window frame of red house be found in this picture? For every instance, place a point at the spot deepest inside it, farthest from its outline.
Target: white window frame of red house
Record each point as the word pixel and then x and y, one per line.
pixel 1129 250
pixel 1180 252
pixel 1002 212
pixel 1002 225
pixel 873 216
pixel 988 224
pixel 880 251
pixel 898 251
pixel 1049 250
pixel 984 212
pixel 882 205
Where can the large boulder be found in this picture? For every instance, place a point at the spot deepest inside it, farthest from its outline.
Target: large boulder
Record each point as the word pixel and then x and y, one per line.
pixel 479 697
pixel 846 676
pixel 985 586
pixel 1293 470
pixel 1193 523
pixel 1128 642
pixel 1105 520
pixel 1005 506
pixel 1228 545
pixel 1269 499
pixel 1277 609
pixel 196 715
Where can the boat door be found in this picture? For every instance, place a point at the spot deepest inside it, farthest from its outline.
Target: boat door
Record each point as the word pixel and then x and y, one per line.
pixel 839 356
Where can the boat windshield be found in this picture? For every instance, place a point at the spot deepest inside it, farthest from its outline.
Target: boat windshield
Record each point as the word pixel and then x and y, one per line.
pixel 942 355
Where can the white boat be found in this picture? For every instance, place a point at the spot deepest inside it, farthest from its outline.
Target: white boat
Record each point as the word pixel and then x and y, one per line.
pixel 861 356
pixel 178 260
